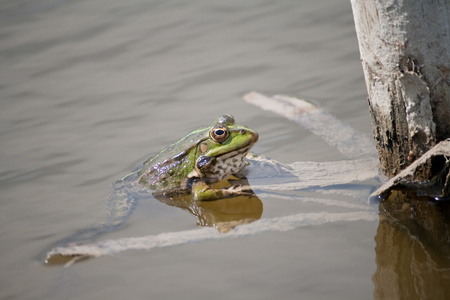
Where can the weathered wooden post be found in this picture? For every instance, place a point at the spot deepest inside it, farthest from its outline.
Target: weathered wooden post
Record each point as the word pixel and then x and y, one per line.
pixel 405 54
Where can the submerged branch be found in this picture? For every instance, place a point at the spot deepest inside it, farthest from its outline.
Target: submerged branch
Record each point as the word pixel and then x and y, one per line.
pixel 338 134
pixel 305 175
pixel 167 239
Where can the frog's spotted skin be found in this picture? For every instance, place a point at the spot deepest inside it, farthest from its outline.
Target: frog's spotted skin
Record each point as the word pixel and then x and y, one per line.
pixel 203 157
pixel 226 165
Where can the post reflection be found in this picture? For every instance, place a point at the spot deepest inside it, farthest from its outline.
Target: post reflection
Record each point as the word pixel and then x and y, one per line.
pixel 412 249
pixel 224 214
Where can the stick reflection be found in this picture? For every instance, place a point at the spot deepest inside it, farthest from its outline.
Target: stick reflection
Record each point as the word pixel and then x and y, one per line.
pixel 224 214
pixel 412 249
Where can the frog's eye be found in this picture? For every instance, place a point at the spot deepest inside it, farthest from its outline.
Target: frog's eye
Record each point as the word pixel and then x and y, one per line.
pixel 219 133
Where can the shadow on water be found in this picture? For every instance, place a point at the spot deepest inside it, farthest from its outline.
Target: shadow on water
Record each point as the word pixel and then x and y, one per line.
pixel 412 249
pixel 224 214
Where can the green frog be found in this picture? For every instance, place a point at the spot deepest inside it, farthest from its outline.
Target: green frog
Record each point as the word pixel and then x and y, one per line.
pixel 195 163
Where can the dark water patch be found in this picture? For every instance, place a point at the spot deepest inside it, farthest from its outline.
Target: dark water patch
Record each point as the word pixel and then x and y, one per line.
pixel 253 12
pixel 20 9
pixel 56 155
pixel 220 75
pixel 53 169
pixel 102 55
pixel 16 127
pixel 117 121
pixel 6 174
pixel 77 101
pixel 95 181
pixel 30 48
pixel 156 101
pixel 124 10
pixel 163 49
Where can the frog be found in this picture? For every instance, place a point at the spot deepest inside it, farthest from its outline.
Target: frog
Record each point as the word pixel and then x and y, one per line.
pixel 196 162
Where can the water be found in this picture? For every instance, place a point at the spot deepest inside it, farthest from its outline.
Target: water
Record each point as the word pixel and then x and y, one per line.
pixel 90 88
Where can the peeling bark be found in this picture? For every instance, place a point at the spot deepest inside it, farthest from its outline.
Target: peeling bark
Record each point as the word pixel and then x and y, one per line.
pixel 405 54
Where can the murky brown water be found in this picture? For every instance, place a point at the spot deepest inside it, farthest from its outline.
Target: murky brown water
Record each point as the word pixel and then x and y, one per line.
pixel 90 88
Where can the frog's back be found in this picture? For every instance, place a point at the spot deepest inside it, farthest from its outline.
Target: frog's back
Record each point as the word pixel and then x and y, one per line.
pixel 172 165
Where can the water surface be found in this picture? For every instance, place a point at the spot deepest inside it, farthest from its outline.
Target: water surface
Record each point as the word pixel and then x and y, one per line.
pixel 90 88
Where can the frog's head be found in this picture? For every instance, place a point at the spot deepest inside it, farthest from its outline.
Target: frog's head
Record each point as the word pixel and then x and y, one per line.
pixel 223 152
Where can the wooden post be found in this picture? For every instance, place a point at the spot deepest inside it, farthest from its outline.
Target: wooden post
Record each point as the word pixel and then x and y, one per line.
pixel 405 54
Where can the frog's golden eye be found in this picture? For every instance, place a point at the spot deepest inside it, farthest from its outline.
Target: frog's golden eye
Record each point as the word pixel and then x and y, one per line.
pixel 219 133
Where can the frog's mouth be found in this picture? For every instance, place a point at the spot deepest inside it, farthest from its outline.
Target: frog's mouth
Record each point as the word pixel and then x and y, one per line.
pixel 235 153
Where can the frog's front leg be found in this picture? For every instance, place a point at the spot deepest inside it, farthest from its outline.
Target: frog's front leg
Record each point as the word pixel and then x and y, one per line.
pixel 201 191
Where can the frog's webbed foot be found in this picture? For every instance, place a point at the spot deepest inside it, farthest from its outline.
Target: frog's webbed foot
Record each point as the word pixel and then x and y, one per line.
pixel 202 192
pixel 240 190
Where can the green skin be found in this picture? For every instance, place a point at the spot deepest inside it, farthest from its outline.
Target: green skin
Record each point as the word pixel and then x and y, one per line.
pixel 200 159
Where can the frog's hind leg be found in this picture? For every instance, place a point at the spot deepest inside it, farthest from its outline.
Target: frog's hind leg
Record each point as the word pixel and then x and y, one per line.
pixel 203 192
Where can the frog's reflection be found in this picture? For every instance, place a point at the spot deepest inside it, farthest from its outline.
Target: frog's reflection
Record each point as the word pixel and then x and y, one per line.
pixel 412 249
pixel 224 214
